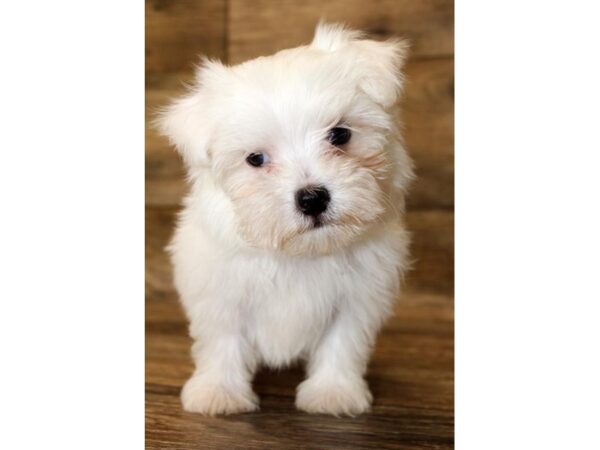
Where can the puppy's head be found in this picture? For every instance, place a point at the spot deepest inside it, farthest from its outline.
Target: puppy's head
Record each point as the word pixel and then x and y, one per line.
pixel 303 143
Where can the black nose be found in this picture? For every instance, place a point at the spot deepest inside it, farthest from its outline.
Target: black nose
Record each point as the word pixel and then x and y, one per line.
pixel 312 201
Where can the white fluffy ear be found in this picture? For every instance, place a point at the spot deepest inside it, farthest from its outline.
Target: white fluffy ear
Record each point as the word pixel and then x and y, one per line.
pixel 383 79
pixel 186 121
pixel 380 62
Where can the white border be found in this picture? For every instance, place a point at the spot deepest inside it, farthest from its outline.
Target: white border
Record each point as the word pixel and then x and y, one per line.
pixel 527 225
pixel 72 252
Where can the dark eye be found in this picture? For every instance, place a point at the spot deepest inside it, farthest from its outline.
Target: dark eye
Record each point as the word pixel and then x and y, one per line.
pixel 339 136
pixel 257 159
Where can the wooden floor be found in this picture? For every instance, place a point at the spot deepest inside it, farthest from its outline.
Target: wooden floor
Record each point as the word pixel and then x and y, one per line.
pixel 411 373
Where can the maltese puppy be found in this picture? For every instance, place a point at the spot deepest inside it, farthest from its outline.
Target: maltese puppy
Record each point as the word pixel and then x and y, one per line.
pixel 290 245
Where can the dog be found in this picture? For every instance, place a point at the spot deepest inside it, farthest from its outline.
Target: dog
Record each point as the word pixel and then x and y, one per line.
pixel 290 245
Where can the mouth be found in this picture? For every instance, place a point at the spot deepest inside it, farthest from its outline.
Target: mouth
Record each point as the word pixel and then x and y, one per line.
pixel 321 222
pixel 318 223
pixel 315 223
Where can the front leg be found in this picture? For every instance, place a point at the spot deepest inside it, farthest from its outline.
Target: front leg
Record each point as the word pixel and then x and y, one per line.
pixel 336 369
pixel 221 383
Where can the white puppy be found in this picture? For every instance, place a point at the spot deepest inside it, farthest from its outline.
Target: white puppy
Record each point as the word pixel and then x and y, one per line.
pixel 290 245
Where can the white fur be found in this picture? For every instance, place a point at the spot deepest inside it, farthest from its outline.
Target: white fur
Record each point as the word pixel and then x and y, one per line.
pixel 260 284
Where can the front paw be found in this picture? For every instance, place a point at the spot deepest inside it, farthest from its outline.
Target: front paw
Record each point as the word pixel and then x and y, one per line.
pixel 206 396
pixel 338 397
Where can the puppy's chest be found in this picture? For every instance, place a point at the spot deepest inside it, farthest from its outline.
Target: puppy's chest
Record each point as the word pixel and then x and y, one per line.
pixel 287 306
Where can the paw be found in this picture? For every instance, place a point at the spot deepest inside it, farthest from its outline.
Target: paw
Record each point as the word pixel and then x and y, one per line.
pixel 205 396
pixel 337 397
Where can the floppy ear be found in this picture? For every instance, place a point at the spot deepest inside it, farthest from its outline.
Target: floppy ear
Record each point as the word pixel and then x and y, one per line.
pixel 186 121
pixel 382 63
pixel 379 63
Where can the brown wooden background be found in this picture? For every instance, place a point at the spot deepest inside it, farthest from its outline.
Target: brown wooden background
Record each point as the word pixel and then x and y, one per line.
pixel 177 32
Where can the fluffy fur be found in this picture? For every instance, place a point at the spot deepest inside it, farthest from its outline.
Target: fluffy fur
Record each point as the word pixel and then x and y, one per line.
pixel 261 284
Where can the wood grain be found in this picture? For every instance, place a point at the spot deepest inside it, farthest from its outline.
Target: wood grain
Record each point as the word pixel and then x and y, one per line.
pixel 432 251
pixel 165 176
pixel 177 31
pixel 262 27
pixel 411 373
pixel 428 113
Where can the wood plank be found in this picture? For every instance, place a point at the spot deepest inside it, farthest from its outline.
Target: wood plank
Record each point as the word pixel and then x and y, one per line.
pixel 164 172
pixel 262 27
pixel 428 110
pixel 177 31
pixel 160 225
pixel 432 250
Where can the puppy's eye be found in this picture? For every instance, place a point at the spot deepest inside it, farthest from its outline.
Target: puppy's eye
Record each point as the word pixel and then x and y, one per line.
pixel 257 159
pixel 339 136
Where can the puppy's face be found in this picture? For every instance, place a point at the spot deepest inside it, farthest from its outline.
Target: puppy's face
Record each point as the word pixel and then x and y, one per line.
pixel 302 142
